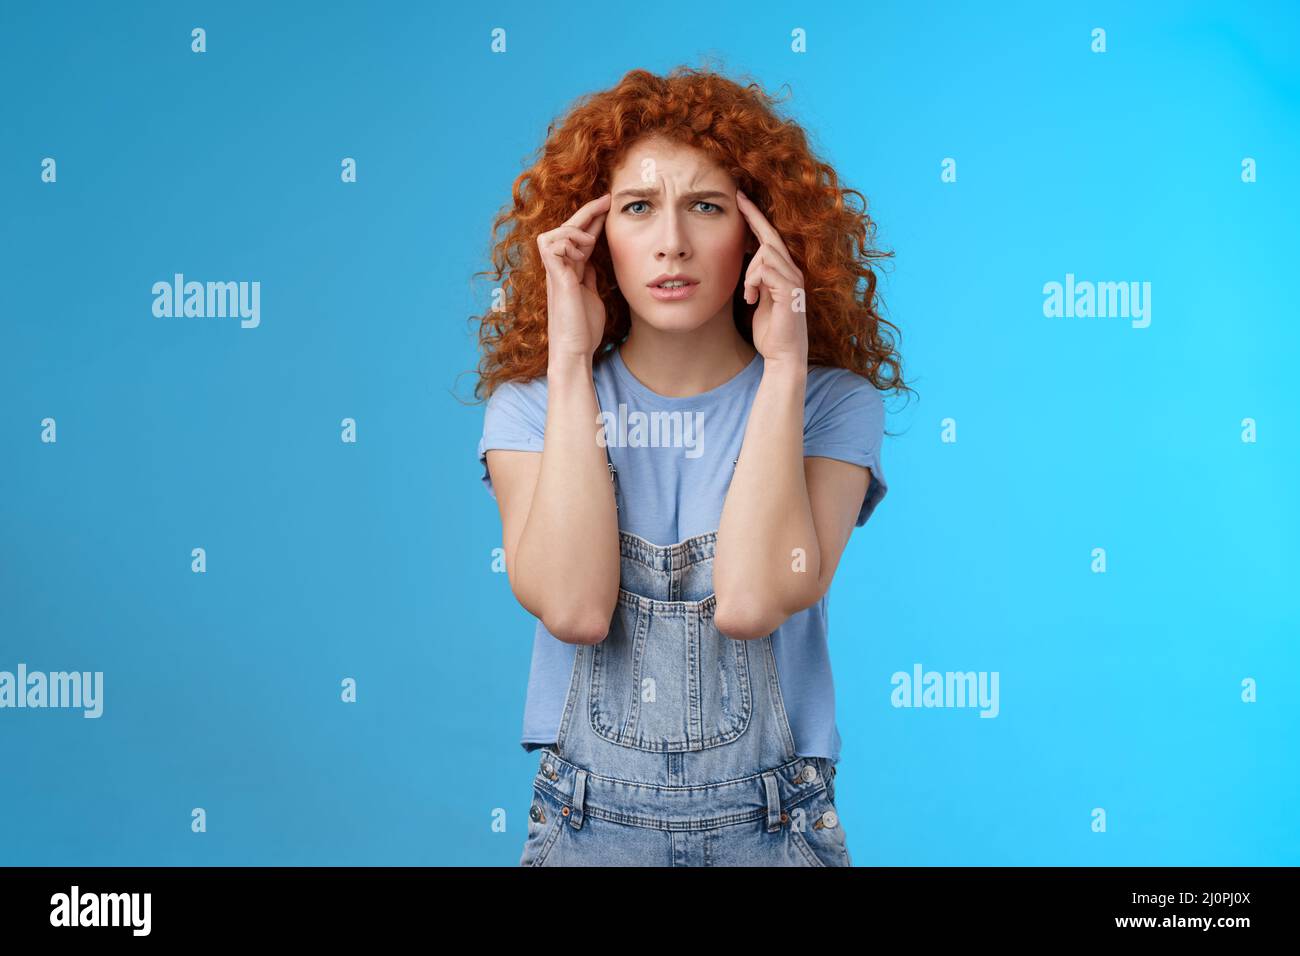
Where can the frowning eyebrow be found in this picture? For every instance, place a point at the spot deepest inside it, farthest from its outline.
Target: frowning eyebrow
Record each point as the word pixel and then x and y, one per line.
pixel 647 191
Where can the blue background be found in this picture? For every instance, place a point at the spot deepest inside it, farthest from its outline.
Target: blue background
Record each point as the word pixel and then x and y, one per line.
pixel 374 561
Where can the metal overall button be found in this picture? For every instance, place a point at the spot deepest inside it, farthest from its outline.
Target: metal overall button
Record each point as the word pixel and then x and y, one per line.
pixel 820 840
pixel 543 828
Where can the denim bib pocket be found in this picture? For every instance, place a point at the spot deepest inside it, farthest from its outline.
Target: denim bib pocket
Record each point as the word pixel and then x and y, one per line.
pixel 666 679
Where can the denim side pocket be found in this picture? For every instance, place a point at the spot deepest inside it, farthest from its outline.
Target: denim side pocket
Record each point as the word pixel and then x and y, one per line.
pixel 544 819
pixel 815 827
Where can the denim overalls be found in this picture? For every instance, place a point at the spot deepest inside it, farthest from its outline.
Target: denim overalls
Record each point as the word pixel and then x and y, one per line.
pixel 674 747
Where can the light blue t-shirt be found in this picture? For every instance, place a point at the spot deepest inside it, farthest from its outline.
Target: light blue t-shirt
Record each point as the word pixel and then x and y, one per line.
pixel 673 482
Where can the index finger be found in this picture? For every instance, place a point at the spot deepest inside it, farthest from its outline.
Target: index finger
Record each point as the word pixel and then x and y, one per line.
pixel 587 214
pixel 765 231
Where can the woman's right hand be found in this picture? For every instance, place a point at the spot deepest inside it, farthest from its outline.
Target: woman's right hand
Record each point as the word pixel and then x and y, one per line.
pixel 575 312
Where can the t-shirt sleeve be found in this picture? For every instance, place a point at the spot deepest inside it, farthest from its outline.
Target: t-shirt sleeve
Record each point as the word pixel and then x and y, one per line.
pixel 848 423
pixel 515 419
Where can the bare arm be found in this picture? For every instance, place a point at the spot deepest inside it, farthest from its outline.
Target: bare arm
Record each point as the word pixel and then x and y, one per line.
pixel 559 524
pixel 786 518
pixel 558 520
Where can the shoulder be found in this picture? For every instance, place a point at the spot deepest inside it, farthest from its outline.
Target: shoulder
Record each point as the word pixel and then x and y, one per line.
pixel 845 420
pixel 518 396
pixel 836 391
pixel 515 416
pixel 531 391
pixel 514 420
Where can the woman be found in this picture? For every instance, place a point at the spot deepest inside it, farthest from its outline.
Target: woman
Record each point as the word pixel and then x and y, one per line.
pixel 683 430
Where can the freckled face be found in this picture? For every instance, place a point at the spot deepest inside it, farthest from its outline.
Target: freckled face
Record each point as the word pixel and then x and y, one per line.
pixel 673 210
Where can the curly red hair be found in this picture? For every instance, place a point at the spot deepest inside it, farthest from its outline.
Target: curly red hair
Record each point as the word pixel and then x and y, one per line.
pixel 768 156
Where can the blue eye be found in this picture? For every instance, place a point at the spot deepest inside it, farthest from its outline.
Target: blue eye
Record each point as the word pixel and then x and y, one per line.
pixel 699 202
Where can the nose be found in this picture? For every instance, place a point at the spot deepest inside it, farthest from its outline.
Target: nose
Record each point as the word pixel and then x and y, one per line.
pixel 673 242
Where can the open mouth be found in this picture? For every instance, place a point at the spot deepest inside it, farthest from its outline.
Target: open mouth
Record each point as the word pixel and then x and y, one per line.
pixel 672 291
pixel 669 288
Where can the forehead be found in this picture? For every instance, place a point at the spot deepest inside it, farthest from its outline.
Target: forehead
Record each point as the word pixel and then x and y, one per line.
pixel 658 156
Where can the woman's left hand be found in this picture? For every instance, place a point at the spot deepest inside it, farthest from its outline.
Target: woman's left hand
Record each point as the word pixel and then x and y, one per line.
pixel 776 284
